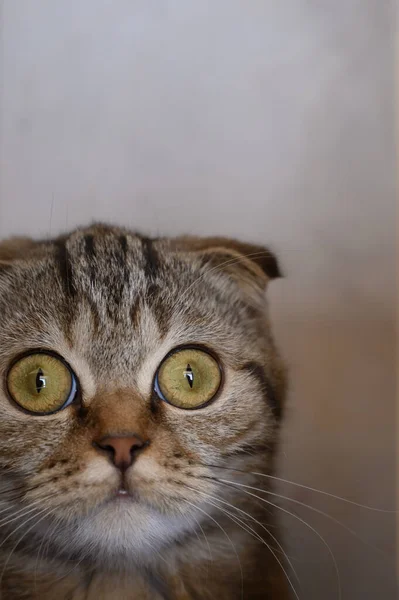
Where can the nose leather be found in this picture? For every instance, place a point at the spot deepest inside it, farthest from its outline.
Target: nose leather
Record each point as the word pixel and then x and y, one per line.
pixel 121 449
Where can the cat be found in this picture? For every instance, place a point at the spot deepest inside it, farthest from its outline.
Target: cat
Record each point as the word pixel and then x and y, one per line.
pixel 142 394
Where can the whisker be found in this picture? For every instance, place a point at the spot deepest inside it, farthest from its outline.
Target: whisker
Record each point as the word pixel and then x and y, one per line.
pixel 14 497
pixel 244 513
pixel 274 538
pixel 204 536
pixel 315 510
pixel 20 513
pixel 24 523
pixel 306 487
pixel 230 483
pixel 22 536
pixel 248 529
pixel 52 527
pixel 227 536
pixel 7 508
pixel 46 546
pixel 257 535
pixel 13 488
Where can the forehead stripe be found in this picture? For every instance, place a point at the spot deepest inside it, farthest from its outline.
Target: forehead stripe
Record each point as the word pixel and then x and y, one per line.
pixel 90 255
pixel 151 258
pixel 65 267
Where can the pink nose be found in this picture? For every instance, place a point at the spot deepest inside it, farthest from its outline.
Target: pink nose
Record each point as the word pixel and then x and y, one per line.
pixel 121 449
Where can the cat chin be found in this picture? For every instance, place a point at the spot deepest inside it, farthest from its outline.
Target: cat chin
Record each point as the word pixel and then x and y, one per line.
pixel 123 533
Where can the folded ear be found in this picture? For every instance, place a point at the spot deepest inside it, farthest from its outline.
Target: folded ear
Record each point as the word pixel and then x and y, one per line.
pixel 15 248
pixel 249 264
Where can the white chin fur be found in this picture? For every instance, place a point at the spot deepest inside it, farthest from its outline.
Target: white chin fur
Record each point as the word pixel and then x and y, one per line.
pixel 123 532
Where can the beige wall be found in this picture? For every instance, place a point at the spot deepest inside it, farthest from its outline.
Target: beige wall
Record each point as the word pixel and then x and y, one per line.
pixel 270 121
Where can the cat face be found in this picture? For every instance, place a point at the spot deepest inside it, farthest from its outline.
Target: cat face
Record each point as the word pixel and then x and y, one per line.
pixel 131 372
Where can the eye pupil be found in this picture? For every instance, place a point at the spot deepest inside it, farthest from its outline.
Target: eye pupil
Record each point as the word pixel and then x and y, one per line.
pixel 40 381
pixel 189 375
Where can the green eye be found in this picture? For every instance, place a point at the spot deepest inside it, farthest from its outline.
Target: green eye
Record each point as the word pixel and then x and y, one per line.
pixel 188 378
pixel 41 383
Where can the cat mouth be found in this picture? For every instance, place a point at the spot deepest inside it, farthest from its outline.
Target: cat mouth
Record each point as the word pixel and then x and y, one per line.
pixel 120 496
pixel 123 492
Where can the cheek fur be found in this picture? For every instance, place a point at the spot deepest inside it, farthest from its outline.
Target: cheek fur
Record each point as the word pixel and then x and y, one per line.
pixel 239 415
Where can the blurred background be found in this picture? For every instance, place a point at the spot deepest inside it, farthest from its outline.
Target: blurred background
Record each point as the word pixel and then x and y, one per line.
pixel 269 121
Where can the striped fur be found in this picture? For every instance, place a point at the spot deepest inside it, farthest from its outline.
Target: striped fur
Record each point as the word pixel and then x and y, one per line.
pixel 113 303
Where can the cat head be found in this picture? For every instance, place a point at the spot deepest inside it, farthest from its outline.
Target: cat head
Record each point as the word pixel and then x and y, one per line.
pixel 134 374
